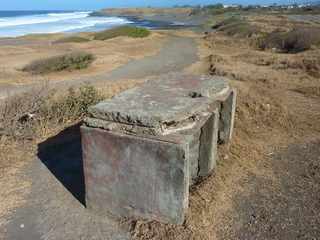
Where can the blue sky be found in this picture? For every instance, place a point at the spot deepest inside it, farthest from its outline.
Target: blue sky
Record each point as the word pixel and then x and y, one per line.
pixel 98 4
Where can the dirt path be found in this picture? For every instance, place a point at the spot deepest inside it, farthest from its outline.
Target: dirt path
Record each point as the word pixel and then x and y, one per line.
pixel 176 54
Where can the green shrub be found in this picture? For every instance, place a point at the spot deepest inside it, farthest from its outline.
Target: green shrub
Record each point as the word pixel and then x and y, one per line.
pixel 72 61
pixel 129 31
pixel 215 6
pixel 72 39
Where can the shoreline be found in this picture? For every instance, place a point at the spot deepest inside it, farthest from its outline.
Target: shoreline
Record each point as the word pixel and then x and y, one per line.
pixel 173 15
pixel 152 23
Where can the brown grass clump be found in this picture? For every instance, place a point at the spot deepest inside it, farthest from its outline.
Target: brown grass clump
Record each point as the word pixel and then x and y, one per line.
pixel 16 110
pixel 71 61
pixel 236 27
pixel 23 116
pixel 310 91
pixel 310 64
pixel 294 41
pixel 227 21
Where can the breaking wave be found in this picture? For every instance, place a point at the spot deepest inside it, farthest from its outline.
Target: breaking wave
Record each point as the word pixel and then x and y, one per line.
pixel 54 22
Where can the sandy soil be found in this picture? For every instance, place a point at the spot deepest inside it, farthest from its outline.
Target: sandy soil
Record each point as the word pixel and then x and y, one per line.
pixel 117 59
pixel 110 55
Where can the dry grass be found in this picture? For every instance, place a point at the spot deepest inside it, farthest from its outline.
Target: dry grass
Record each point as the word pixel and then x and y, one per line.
pixel 71 61
pixel 24 116
pixel 311 91
pixel 227 21
pixel 72 39
pixel 24 120
pixel 269 116
pixel 294 41
pixel 32 114
pixel 237 27
pixel 108 56
pixel 16 110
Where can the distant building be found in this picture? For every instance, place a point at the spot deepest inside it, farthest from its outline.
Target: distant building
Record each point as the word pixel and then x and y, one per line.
pixel 231 6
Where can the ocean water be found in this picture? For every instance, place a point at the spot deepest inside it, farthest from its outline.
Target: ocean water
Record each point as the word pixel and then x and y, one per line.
pixel 19 23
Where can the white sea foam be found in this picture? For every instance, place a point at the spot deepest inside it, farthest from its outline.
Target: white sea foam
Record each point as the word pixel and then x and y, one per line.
pixel 54 22
pixel 42 18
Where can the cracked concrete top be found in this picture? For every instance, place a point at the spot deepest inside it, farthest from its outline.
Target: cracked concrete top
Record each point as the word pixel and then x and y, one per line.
pixel 169 98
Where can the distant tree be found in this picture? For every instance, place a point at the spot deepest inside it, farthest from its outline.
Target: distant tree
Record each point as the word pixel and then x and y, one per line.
pixel 182 6
pixel 215 6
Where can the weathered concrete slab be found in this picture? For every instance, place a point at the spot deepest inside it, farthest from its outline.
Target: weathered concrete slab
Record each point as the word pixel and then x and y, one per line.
pixel 144 148
pixel 171 98
pixel 208 145
pixel 228 111
pixel 133 176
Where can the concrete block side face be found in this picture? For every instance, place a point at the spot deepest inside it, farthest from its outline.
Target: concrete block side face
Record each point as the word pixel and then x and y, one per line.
pixel 135 177
pixel 194 161
pixel 208 145
pixel 228 110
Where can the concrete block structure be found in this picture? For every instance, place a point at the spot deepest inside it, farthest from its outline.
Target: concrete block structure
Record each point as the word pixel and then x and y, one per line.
pixel 145 147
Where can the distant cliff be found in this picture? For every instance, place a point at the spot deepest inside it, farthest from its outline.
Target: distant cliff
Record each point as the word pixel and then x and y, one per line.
pixel 142 12
pixel 175 15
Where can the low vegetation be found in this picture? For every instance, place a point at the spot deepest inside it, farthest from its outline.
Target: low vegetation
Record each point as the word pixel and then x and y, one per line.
pixel 227 21
pixel 128 31
pixel 298 39
pixel 313 91
pixel 72 39
pixel 294 41
pixel 24 116
pixel 237 27
pixel 72 61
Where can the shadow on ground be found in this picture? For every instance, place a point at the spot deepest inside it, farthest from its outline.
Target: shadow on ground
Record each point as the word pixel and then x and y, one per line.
pixel 62 155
